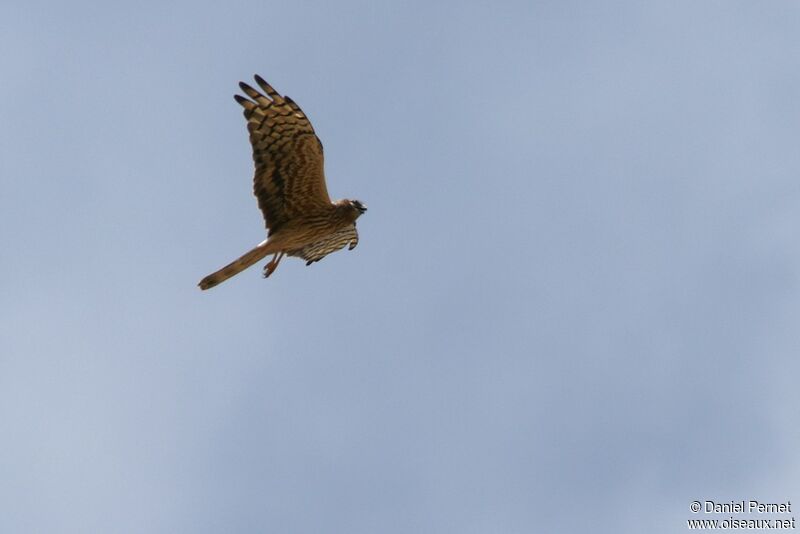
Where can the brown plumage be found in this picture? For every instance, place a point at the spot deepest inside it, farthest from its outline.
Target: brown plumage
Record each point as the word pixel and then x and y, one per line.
pixel 290 186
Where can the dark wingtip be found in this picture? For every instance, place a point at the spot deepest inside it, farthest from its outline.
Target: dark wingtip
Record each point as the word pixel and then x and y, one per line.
pixel 240 99
pixel 259 79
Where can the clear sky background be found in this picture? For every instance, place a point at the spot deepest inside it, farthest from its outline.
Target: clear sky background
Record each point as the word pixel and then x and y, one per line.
pixel 574 306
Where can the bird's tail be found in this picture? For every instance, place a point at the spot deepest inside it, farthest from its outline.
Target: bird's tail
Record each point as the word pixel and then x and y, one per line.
pixel 236 266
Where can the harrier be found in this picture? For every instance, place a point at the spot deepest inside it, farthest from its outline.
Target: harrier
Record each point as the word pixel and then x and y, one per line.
pixel 290 187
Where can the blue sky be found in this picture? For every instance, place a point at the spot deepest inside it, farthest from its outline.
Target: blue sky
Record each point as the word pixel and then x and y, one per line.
pixel 573 307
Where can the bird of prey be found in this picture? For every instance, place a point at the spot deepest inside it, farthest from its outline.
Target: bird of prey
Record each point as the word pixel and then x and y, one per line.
pixel 289 184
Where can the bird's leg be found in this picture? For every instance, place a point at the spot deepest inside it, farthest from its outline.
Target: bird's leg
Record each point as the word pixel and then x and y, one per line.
pixel 271 266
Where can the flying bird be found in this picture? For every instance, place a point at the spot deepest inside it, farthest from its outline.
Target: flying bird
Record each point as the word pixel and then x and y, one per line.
pixel 289 184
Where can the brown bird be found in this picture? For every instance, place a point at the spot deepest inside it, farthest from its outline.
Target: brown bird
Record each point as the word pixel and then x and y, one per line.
pixel 289 184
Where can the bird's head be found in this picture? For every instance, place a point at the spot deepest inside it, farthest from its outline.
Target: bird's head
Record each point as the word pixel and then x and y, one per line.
pixel 358 206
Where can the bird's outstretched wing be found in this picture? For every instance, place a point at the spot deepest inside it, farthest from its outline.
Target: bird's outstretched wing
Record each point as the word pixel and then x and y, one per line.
pixel 289 177
pixel 330 243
